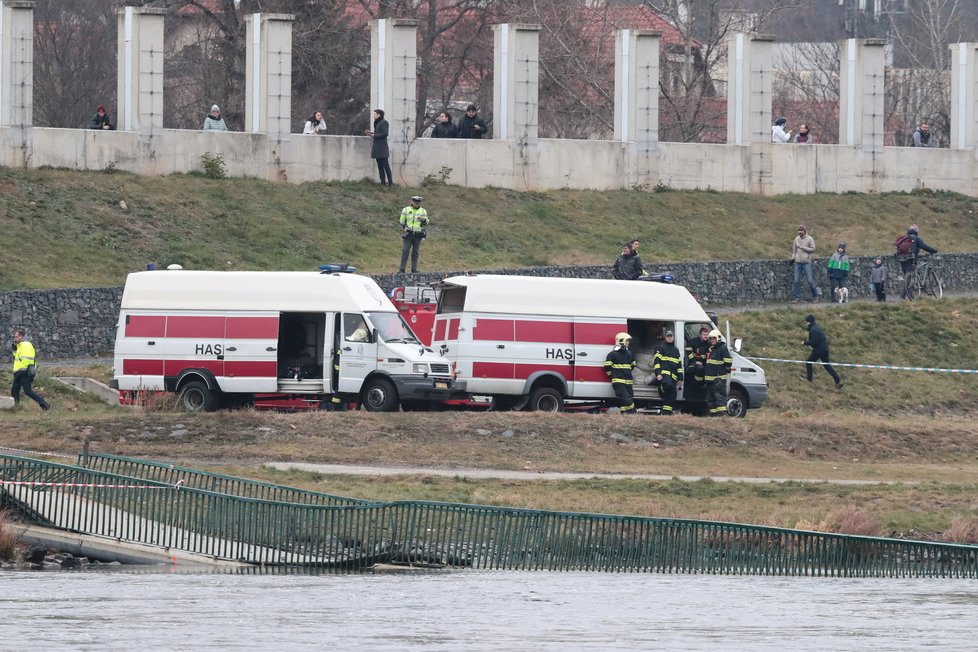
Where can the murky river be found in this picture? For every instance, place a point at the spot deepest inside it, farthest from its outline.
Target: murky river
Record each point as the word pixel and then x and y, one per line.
pixel 476 610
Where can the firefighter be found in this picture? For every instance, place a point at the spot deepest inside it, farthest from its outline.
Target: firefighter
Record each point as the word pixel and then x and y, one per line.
pixel 667 365
pixel 618 365
pixel 718 363
pixel 696 350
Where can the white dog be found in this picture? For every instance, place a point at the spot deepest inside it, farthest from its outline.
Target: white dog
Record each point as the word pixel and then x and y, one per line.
pixel 842 295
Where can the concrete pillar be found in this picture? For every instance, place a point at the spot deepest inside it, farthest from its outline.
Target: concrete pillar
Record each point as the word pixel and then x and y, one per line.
pixel 964 95
pixel 516 82
pixel 140 65
pixel 861 93
pixel 750 73
pixel 637 86
pixel 394 77
pixel 268 74
pixel 16 63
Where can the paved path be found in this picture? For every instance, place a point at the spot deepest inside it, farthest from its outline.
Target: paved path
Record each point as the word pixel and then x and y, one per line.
pixel 505 474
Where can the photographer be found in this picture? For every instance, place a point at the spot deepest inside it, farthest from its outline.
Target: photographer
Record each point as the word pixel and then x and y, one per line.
pixel 414 219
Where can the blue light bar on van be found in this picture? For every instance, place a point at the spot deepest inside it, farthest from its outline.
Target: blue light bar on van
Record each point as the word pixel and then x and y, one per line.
pixel 330 268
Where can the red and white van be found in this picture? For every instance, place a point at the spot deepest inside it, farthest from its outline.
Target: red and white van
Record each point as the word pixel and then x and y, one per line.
pixel 534 342
pixel 220 338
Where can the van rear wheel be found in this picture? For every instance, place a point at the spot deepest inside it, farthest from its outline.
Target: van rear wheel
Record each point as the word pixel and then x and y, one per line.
pixel 195 396
pixel 379 395
pixel 545 399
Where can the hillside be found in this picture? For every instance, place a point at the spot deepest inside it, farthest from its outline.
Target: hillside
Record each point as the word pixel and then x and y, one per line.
pixel 63 228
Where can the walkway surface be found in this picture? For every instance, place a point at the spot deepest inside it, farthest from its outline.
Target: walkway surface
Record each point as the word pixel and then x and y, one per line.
pixel 506 474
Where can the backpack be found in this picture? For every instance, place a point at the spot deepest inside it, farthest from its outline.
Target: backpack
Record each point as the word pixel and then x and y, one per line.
pixel 903 244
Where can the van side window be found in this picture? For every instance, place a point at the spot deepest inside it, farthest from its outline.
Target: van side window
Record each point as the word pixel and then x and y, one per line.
pixel 355 329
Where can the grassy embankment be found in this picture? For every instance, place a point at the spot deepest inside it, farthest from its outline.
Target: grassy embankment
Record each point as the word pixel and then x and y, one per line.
pixel 915 429
pixel 88 229
pixel 903 426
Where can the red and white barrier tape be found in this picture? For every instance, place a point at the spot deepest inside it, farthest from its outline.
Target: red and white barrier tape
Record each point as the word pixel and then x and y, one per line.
pixel 46 454
pixel 25 483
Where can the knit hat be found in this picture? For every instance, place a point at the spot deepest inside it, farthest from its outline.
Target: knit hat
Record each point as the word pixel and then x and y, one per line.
pixel 781 121
pixel 810 318
pixel 215 108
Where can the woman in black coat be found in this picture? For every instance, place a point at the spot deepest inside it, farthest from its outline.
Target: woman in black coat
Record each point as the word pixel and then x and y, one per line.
pixel 379 150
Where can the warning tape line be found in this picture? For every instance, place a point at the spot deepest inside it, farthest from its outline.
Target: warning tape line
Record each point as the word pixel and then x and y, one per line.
pixel 24 483
pixel 21 450
pixel 873 366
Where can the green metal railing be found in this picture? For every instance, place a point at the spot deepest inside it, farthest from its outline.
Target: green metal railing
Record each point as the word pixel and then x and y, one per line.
pixel 359 534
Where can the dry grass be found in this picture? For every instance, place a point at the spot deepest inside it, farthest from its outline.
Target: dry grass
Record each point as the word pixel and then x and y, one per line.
pixel 8 538
pixel 962 530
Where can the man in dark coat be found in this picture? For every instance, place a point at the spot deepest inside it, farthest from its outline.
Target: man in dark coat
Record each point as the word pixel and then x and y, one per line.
pixel 471 125
pixel 379 149
pixel 628 267
pixel 820 351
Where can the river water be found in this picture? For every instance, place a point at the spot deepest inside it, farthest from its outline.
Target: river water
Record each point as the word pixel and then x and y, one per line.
pixel 479 610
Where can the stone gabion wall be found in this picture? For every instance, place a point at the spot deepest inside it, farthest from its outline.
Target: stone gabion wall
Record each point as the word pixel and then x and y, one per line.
pixel 81 323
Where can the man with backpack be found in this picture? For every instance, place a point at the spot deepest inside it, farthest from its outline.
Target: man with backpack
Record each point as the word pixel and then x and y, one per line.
pixel 908 250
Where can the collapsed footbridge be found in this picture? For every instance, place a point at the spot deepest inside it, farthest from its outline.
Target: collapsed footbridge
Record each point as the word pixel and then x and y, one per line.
pixel 132 501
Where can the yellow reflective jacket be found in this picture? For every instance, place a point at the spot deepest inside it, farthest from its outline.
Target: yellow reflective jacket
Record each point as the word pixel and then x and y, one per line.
pixel 414 219
pixel 23 355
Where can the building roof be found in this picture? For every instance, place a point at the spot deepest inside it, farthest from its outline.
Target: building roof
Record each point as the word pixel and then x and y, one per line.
pixel 253 291
pixel 574 297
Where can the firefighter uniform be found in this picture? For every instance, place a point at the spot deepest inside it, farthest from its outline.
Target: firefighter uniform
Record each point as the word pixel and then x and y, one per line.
pixel 667 366
pixel 618 366
pixel 718 363
pixel 694 388
pixel 413 221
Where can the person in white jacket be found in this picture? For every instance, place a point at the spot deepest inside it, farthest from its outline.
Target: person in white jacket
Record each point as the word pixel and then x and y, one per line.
pixel 315 124
pixel 778 135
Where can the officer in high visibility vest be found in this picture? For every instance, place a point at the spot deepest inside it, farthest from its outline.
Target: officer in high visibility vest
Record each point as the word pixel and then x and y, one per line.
pixel 718 363
pixel 414 219
pixel 667 365
pixel 618 366
pixel 24 370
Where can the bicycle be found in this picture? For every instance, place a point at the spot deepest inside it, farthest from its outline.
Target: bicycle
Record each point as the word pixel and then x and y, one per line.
pixel 924 278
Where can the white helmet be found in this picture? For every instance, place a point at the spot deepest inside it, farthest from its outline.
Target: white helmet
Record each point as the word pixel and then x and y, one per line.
pixel 715 333
pixel 622 339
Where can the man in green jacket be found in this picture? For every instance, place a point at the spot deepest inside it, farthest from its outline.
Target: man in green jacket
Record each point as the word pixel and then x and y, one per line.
pixel 24 370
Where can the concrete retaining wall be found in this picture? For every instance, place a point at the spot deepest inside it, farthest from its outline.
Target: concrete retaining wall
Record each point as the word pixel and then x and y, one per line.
pixel 81 323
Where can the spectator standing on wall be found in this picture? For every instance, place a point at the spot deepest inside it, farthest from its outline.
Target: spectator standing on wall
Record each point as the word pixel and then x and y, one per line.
pixel 838 268
pixel 379 150
pixel 801 257
pixel 820 351
pixel 638 259
pixel 444 127
pixel 25 368
pixel 628 266
pixel 413 221
pixel 101 119
pixel 315 125
pixel 778 135
pixel 804 136
pixel 877 278
pixel 214 121
pixel 471 125
pixel 921 137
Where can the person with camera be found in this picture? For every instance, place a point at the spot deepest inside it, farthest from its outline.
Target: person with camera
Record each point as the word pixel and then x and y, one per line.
pixel 414 219
pixel 25 369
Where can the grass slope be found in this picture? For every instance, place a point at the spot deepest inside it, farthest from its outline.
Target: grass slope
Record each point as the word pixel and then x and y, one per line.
pixel 88 229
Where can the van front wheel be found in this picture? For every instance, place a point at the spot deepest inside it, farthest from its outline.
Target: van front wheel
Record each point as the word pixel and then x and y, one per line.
pixel 737 402
pixel 197 397
pixel 379 395
pixel 545 399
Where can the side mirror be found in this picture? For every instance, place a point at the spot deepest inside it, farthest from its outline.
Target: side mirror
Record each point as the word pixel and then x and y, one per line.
pixel 737 344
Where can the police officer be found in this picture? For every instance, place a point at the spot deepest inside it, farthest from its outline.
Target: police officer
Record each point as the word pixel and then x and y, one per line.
pixel 718 363
pixel 667 365
pixel 414 219
pixel 24 370
pixel 618 366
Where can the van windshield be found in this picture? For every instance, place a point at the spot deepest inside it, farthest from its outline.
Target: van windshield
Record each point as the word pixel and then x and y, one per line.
pixel 391 327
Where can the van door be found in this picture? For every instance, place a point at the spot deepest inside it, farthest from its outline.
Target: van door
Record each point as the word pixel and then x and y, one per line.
pixel 358 352
pixel 593 340
pixel 194 341
pixel 250 353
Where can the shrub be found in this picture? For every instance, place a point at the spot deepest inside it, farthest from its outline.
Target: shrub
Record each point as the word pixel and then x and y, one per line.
pixel 8 538
pixel 213 166
pixel 962 530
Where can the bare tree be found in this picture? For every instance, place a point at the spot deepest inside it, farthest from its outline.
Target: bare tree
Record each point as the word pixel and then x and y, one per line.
pixel 806 87
pixel 74 61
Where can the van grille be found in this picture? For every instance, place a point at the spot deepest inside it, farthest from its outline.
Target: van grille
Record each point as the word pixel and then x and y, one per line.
pixel 439 369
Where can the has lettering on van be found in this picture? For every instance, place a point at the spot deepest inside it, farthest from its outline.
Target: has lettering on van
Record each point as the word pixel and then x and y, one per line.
pixel 209 349
pixel 560 354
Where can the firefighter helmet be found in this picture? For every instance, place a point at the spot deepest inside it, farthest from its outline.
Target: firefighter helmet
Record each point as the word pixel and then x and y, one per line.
pixel 715 333
pixel 622 339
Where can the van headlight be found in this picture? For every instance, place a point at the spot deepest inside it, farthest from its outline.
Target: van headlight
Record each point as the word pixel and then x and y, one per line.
pixel 420 368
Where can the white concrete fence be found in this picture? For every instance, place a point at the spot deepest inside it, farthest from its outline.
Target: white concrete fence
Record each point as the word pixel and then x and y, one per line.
pixel 516 158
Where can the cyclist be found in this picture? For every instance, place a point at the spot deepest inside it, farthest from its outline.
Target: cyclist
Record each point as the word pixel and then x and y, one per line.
pixel 908 262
